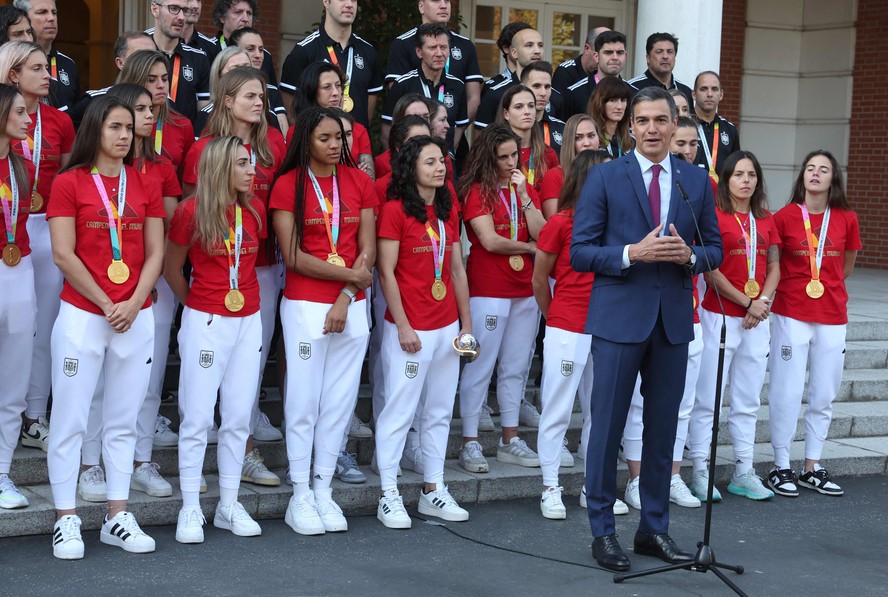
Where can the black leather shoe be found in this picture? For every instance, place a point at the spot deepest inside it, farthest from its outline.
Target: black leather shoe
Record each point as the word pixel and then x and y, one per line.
pixel 660 545
pixel 609 554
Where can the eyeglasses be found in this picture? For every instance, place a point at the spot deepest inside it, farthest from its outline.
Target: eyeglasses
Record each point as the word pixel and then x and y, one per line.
pixel 175 9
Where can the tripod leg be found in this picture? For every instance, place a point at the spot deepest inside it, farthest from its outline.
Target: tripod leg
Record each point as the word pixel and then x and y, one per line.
pixel 618 578
pixel 727 581
pixel 731 567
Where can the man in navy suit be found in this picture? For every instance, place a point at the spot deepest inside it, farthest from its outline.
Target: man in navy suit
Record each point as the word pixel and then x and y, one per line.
pixel 634 228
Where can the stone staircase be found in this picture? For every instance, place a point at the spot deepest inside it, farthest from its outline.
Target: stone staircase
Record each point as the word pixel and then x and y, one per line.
pixel 857 445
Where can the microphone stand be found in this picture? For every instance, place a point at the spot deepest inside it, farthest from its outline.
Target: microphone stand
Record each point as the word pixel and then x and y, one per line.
pixel 704 561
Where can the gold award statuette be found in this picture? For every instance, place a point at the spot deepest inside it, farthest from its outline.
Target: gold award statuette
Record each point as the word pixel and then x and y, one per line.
pixel 439 290
pixel 348 104
pixel 335 259
pixel 751 289
pixel 12 255
pixel 234 300
pixel 36 202
pixel 814 289
pixel 118 272
pixel 467 346
pixel 516 262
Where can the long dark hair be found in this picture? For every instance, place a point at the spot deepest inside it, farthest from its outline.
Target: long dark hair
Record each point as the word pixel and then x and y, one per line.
pixel 8 93
pixel 607 89
pixel 481 166
pixel 837 198
pixel 400 129
pixel 403 184
pixel 129 93
pixel 89 135
pixel 299 156
pixel 307 87
pixel 723 193
pixel 537 143
pixel 577 174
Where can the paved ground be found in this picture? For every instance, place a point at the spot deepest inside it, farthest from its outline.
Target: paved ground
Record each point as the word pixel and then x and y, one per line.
pixel 811 546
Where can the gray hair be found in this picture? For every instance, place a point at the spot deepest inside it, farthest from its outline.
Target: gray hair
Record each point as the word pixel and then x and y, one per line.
pixel 653 94
pixel 24 5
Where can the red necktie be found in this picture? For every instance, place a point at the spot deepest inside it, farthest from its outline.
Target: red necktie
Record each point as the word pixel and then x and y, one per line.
pixel 654 194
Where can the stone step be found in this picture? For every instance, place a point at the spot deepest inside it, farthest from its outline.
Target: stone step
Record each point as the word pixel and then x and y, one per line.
pixel 844 458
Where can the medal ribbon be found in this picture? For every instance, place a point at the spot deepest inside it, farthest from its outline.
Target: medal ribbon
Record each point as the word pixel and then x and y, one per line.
pixel 115 215
pixel 174 87
pixel 439 245
pixel 236 238
pixel 34 156
pixel 332 228
pixel 750 239
pixel 546 132
pixel 528 170
pixel 348 67
pixel 512 208
pixel 53 68
pixel 11 211
pixel 711 156
pixel 222 43
pixel 816 257
pixel 158 137
pixel 252 178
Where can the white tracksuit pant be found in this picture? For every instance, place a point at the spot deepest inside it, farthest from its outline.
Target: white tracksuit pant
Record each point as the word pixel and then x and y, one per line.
pixel 746 359
pixel 567 367
pixel 271 281
pixel 85 348
pixel 436 366
pixel 506 330
pixel 632 432
pixel 793 343
pixel 323 376
pixel 18 314
pixel 217 353
pixel 48 281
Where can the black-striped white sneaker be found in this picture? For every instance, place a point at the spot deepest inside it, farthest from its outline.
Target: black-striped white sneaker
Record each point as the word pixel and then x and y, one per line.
pixel 441 504
pixel 123 531
pixel 67 544
pixel 819 481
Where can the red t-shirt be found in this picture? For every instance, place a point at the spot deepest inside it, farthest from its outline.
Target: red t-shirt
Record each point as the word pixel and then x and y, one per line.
pixel 22 241
pixel 552 183
pixel 355 194
pixel 570 300
pixel 57 133
pixel 383 164
pixel 162 174
pixel 733 266
pixel 549 157
pixel 415 271
pixel 209 271
pixel 74 195
pixel 178 137
pixel 262 181
pixel 490 274
pixel 795 266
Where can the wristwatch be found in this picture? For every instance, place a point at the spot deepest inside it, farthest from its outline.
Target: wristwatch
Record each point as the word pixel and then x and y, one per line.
pixel 692 261
pixel 351 295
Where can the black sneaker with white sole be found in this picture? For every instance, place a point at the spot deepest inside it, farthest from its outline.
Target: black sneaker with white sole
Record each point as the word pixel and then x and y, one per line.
pixel 819 481
pixel 783 482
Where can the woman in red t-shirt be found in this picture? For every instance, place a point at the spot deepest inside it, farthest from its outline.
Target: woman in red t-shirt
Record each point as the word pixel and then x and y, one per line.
pixel 567 365
pixel 106 226
pixel 519 114
pixel 48 148
pixel 173 133
pixel 820 240
pixel 219 230
pixel 581 129
pixel 503 217
pixel 422 276
pixel 18 312
pixel 322 209
pixel 745 281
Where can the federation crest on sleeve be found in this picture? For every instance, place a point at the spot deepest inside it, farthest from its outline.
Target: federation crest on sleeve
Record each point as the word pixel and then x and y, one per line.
pixel 70 367
pixel 188 72
pixel 411 369
pixel 304 351
pixel 786 352
pixel 206 359
pixel 490 322
pixel 567 368
pixel 456 53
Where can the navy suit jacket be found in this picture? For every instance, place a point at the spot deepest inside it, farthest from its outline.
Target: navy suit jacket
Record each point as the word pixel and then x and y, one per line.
pixel 613 211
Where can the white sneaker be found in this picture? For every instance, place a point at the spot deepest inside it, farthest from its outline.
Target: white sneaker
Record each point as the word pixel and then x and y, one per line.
pixel 123 531
pixel 485 422
pixel 265 431
pixel 620 507
pixel 471 458
pixel 302 515
pixel 441 504
pixel 255 471
pixel 412 459
pixel 10 496
pixel 680 494
pixel 700 486
pixel 189 528
pixel 164 437
pixel 147 479
pixel 567 459
pixel 551 505
pixel 528 414
pixel 36 435
pixel 331 515
pixel 358 429
pixel 517 452
pixel 235 518
pixel 213 434
pixel 67 544
pixel 391 512
pixel 631 495
pixel 91 485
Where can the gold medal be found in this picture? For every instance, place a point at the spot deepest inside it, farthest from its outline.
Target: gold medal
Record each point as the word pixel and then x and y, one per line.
pixel 348 104
pixel 234 300
pixel 814 289
pixel 439 290
pixel 751 289
pixel 713 176
pixel 695 302
pixel 335 259
pixel 516 262
pixel 118 271
pixel 36 202
pixel 12 255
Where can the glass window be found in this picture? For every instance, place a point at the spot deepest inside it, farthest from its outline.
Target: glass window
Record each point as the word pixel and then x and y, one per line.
pixel 488 22
pixel 531 17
